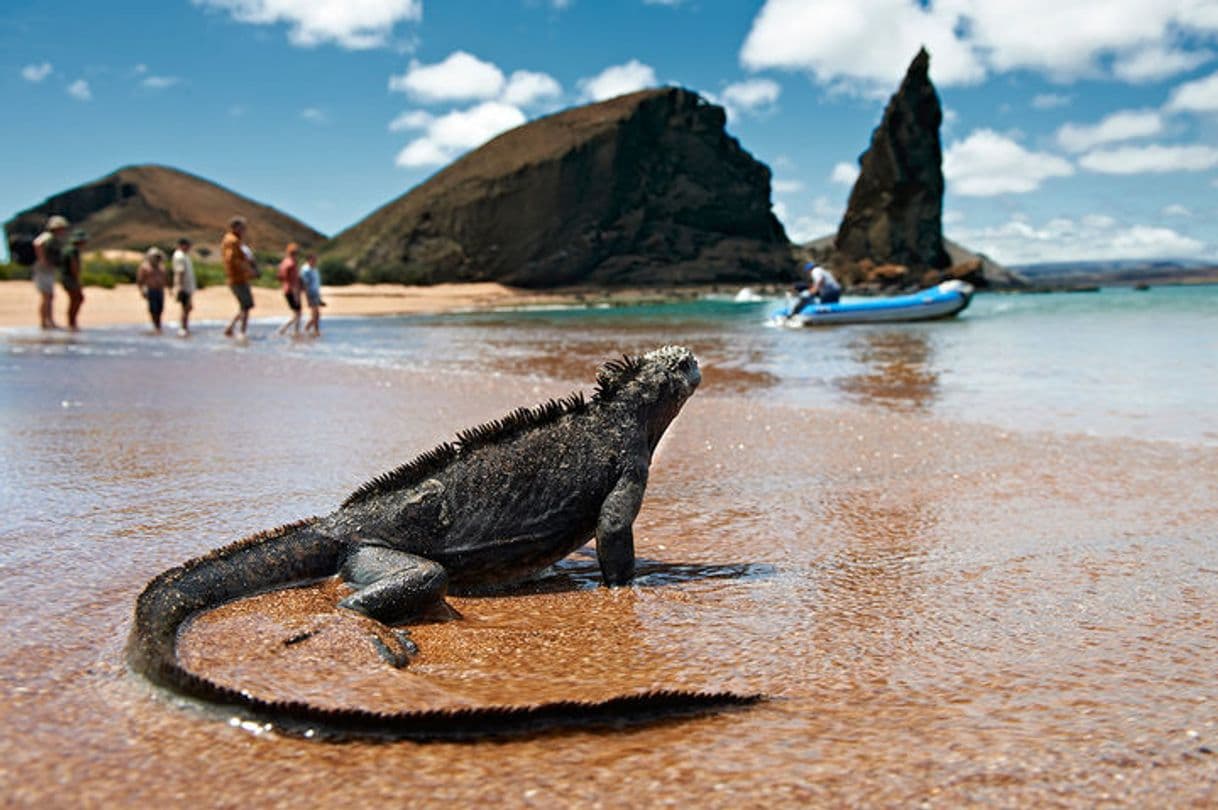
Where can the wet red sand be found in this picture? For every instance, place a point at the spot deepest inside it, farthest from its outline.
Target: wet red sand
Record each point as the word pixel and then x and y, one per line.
pixel 943 615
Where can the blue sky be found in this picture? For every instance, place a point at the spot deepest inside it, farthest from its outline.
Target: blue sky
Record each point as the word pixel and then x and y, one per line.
pixel 1084 129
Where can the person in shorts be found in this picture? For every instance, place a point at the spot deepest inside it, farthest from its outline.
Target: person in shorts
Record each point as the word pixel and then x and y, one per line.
pixel 152 279
pixel 239 270
pixel 48 248
pixel 184 282
pixel 289 276
pixel 69 275
pixel 310 282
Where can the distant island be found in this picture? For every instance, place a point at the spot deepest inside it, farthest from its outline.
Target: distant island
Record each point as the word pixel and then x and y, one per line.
pixel 646 190
pixel 1113 273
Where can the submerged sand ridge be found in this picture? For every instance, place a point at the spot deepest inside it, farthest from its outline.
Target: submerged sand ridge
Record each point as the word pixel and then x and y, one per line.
pixel 942 613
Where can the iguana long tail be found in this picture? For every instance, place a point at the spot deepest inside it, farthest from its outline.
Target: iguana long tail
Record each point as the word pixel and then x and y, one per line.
pixel 297 553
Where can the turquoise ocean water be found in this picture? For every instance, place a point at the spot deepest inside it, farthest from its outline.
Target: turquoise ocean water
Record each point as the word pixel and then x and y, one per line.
pixel 1114 363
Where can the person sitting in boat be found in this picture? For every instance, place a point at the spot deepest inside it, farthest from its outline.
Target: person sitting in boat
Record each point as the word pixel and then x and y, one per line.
pixel 822 288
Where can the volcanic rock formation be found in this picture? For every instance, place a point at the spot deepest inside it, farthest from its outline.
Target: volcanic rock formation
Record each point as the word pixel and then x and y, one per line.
pixel 894 216
pixel 139 206
pixel 645 189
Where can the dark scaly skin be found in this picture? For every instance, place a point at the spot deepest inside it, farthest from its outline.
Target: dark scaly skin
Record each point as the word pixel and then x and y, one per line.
pixel 500 504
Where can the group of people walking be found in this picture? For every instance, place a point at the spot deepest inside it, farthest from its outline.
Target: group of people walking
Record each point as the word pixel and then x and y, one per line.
pixel 56 254
pixel 152 279
pixel 240 268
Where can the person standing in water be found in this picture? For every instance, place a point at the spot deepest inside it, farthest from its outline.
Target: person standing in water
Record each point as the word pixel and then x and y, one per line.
pixel 289 276
pixel 48 250
pixel 310 281
pixel 151 279
pixel 240 271
pixel 69 276
pixel 184 282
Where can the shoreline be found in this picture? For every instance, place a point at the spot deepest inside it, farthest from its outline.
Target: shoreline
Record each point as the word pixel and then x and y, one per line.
pixel 123 305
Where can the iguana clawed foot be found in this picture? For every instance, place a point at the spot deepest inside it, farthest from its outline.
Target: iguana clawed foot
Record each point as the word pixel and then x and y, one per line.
pixel 400 652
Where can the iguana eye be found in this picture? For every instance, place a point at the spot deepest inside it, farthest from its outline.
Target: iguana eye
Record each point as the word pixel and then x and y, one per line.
pixel 684 364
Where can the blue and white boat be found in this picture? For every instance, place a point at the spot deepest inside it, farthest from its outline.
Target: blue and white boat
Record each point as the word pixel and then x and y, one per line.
pixel 942 301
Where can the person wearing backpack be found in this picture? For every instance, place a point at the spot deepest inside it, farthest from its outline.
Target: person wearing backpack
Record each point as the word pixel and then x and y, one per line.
pixel 69 275
pixel 48 248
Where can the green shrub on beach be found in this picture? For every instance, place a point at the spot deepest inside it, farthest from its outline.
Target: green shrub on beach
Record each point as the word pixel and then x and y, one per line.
pixel 335 273
pixel 408 274
pixel 11 271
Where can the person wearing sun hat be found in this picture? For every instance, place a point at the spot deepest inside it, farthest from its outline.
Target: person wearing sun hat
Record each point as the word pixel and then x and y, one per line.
pixel 48 248
pixel 151 278
pixel 69 275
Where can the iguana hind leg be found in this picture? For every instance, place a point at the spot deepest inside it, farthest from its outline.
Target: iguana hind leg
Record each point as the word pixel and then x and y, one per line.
pixel 392 586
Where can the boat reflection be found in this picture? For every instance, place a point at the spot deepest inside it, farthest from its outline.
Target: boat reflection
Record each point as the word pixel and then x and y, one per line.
pixel 897 369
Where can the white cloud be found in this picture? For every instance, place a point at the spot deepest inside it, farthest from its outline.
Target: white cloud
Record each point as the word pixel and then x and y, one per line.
pixel 1120 126
pixel 1157 62
pixel 953 217
pixel 987 163
pixel 822 220
pixel 618 80
pixel 844 173
pixel 80 91
pixel 1152 159
pixel 315 115
pixel 411 119
pixel 36 73
pixel 354 24
pixel 1050 101
pixel 864 44
pixel 750 95
pixel 786 186
pixel 422 152
pixel 1176 210
pixel 1200 95
pixel 460 77
pixel 870 41
pixel 525 88
pixel 447 136
pixel 159 82
pixel 1095 237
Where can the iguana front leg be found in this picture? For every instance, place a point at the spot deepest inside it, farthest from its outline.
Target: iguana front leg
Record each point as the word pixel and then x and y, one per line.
pixel 615 525
pixel 393 586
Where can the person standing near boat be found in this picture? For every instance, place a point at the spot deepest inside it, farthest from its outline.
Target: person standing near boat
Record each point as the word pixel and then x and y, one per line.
pixel 822 287
pixel 184 282
pixel 48 250
pixel 69 275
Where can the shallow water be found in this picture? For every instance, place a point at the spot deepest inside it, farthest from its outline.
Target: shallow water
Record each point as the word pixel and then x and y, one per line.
pixel 946 605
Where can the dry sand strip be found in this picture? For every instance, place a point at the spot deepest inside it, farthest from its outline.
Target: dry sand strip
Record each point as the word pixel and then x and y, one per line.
pixel 123 305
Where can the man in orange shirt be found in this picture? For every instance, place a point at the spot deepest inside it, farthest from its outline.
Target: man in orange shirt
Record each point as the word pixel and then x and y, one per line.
pixel 239 270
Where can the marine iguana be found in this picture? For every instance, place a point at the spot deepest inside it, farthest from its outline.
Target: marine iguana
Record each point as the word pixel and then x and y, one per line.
pixel 499 504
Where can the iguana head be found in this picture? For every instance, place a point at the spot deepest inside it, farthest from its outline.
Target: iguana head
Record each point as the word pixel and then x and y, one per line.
pixel 657 382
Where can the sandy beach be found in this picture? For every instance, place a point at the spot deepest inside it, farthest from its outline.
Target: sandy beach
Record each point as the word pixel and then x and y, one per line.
pixel 123 305
pixel 942 613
